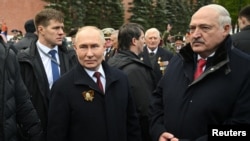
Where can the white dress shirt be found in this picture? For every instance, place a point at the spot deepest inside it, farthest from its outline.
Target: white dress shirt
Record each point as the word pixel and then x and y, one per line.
pixel 46 59
pixel 103 77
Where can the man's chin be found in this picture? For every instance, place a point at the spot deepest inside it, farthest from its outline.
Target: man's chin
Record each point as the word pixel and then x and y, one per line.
pixel 197 49
pixel 90 66
pixel 60 43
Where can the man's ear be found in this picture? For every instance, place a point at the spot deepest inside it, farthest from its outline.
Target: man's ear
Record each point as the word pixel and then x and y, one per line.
pixel 243 20
pixel 74 47
pixel 40 29
pixel 133 42
pixel 227 29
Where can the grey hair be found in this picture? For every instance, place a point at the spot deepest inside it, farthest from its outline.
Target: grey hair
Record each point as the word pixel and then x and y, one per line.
pixel 224 16
pixel 91 27
pixel 155 30
pixel 115 32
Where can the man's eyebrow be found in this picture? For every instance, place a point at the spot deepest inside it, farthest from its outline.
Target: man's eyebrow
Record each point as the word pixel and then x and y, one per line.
pixel 201 25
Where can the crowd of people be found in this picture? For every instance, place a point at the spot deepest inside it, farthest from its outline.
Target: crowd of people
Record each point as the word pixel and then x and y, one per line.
pixel 126 84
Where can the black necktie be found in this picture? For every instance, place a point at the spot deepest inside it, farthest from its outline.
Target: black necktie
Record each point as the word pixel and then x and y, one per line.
pixel 151 53
pixel 99 83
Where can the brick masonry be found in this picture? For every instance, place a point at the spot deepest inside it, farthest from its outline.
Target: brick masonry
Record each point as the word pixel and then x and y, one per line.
pixel 16 12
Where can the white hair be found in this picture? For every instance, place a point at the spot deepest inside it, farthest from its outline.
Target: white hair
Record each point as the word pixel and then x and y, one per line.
pixel 90 27
pixel 155 30
pixel 224 16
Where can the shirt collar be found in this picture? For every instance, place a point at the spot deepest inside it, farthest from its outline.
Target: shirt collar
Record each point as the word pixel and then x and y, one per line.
pixel 199 57
pixel 91 72
pixel 154 51
pixel 45 48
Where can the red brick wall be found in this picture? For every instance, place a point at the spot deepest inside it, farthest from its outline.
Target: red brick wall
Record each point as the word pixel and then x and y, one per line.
pixel 16 12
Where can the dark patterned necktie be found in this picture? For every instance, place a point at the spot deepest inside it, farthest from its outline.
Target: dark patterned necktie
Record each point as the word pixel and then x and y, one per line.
pixel 99 83
pixel 151 53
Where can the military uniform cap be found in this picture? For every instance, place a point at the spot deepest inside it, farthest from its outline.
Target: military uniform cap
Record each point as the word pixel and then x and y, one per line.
pixel 107 32
pixel 14 30
pixel 72 32
pixel 178 37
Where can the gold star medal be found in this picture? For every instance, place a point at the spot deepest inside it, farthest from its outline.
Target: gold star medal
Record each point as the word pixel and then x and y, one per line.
pixel 88 95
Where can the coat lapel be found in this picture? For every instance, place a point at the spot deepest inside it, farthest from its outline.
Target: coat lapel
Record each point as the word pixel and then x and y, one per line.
pixel 82 78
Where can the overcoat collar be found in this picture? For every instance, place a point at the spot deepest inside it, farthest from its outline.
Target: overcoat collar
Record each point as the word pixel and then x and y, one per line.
pixel 216 62
pixel 82 77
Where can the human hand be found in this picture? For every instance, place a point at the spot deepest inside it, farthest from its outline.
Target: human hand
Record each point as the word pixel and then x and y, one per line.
pixel 170 38
pixel 167 137
pixel 169 27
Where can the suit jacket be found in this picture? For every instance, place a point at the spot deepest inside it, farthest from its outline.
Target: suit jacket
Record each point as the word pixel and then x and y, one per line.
pixel 161 55
pixel 34 76
pixel 241 40
pixel 109 117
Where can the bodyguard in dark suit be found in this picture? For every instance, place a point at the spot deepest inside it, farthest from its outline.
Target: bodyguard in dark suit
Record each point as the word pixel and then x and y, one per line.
pixel 89 107
pixel 241 40
pixel 30 35
pixel 36 62
pixel 153 55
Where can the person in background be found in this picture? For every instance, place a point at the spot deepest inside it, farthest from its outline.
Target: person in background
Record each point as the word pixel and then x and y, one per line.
pixel 15 37
pixel 114 39
pixel 187 37
pixel 4 28
pixel 213 81
pixel 108 44
pixel 93 101
pixel 241 40
pixel 30 35
pixel 45 60
pixel 141 76
pixel 178 43
pixel 154 55
pixel 114 45
pixel 166 36
pixel 3 37
pixel 15 106
pixel 72 35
